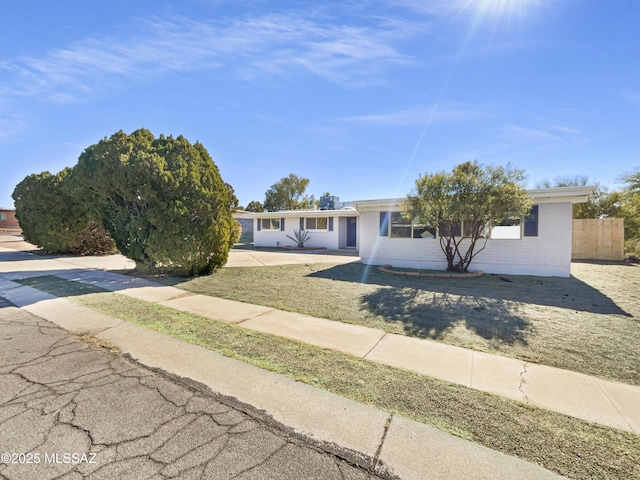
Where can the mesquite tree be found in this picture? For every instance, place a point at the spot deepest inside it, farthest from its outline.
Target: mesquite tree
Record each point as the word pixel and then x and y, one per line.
pixel 465 204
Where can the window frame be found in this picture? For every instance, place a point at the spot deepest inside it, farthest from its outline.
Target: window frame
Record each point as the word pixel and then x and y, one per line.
pixel 395 219
pixel 316 220
pixel 271 222
pixel 528 226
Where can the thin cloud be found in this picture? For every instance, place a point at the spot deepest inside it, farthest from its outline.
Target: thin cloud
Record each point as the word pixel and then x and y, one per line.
pixel 272 44
pixel 545 135
pixel 410 117
pixel 633 98
pixel 11 126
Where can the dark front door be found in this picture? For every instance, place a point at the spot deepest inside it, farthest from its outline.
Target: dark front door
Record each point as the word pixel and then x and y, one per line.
pixel 351 231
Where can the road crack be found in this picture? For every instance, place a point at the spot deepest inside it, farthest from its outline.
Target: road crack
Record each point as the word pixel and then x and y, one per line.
pixel 376 457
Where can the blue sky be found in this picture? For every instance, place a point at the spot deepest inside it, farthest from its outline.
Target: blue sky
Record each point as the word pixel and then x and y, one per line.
pixel 359 96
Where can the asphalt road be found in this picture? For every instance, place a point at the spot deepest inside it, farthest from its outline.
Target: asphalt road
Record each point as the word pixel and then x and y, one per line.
pixel 71 409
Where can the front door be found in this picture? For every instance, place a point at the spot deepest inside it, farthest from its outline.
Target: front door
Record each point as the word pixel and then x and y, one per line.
pixel 351 231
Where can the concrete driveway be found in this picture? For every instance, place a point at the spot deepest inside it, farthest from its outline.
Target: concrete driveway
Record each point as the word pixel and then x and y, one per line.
pixel 15 249
pixel 262 258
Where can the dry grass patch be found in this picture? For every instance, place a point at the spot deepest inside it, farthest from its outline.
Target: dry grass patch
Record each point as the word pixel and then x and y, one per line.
pixel 588 323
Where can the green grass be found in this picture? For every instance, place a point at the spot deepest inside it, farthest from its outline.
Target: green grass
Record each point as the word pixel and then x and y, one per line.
pixel 563 444
pixel 587 323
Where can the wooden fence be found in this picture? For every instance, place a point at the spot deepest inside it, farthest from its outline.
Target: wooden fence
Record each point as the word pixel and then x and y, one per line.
pixel 598 239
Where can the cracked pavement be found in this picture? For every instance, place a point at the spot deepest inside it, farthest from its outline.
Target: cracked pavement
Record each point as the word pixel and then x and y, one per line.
pixel 64 394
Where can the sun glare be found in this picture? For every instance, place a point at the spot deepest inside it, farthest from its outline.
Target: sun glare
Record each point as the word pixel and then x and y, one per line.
pixel 501 8
pixel 491 13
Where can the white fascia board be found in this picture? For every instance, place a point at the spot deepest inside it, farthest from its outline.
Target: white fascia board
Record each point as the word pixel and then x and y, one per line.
pixel 382 203
pixel 539 195
pixel 343 212
pixel 562 194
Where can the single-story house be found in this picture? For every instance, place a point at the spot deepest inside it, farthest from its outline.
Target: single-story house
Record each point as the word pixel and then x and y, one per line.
pixel 331 229
pixel 539 244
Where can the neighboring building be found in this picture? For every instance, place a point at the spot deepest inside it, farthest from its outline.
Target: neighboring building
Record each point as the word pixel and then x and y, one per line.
pixel 245 220
pixel 8 219
pixel 540 244
pixel 332 229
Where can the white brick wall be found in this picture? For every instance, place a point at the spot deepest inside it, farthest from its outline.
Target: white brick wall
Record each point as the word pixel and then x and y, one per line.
pixel 317 238
pixel 548 254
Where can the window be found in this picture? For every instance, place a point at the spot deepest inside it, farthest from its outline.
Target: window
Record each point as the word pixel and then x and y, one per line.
pixel 531 223
pixel 400 226
pixel 447 229
pixel 403 227
pixel 271 223
pixel 470 227
pixel 321 223
pixel 507 230
pixel 3 217
pixel 394 224
pixel 511 228
pixel 384 224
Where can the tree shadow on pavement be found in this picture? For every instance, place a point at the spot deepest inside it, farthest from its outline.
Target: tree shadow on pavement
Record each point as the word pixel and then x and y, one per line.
pixel 60 287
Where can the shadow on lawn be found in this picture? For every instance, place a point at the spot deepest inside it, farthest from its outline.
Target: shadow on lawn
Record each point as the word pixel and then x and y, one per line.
pixel 488 290
pixel 427 314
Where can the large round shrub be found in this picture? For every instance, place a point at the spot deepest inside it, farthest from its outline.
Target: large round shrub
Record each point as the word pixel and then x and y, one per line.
pixel 161 199
pixel 52 218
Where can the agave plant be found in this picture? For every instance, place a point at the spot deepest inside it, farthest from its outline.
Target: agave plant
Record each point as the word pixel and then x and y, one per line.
pixel 301 236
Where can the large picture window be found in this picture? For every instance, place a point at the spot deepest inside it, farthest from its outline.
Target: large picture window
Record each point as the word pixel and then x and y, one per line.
pixel 396 225
pixel 403 227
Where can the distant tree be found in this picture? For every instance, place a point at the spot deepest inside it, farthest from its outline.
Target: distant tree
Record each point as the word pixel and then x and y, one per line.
pixel 632 181
pixel 630 210
pixel 233 200
pixel 254 206
pixel 564 181
pixel 53 219
pixel 163 201
pixel 602 204
pixel 465 204
pixel 288 194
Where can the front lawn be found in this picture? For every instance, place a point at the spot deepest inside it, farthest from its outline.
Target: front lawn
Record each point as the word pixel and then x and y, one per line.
pixel 588 323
